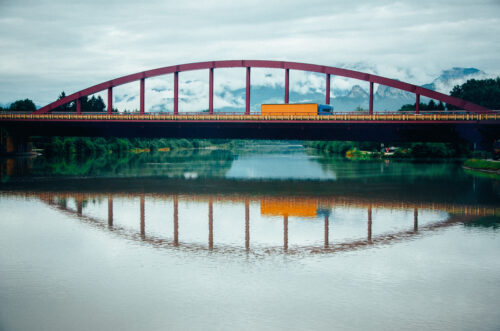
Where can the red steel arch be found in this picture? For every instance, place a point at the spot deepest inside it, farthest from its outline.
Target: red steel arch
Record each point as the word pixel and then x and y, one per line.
pixel 248 64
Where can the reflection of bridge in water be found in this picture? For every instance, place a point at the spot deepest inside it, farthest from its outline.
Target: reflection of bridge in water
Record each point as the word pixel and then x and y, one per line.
pixel 284 207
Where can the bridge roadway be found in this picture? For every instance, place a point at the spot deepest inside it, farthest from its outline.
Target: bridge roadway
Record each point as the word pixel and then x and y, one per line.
pixel 445 127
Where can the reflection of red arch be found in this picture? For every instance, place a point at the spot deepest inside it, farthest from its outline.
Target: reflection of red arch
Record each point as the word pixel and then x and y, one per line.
pixel 352 245
pixel 141 76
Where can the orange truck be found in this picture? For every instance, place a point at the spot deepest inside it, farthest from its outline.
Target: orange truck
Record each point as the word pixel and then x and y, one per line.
pixel 296 109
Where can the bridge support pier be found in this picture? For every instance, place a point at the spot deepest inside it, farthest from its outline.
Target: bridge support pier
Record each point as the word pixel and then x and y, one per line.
pixel 247 99
pixel 327 90
pixel 417 104
pixel 176 93
pixel 15 145
pixel 287 85
pixel 110 100
pixel 371 99
pixel 142 97
pixel 211 92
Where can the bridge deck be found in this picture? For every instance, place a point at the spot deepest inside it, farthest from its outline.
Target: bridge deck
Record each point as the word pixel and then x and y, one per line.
pixel 346 117
pixel 482 128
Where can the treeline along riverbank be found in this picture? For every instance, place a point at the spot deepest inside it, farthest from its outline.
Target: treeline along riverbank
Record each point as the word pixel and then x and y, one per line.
pixel 98 146
pixel 416 150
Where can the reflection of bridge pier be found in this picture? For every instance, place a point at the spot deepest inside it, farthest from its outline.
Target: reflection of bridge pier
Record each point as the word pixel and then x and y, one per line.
pixel 110 211
pixel 326 231
pixel 210 225
pixel 247 225
pixel 176 221
pixel 79 205
pixel 285 232
pixel 59 201
pixel 143 221
pixel 415 220
pixel 370 223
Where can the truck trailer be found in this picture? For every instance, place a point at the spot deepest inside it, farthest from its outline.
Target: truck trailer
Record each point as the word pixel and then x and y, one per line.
pixel 296 109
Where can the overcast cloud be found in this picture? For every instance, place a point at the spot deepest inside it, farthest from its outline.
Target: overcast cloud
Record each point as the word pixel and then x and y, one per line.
pixel 50 46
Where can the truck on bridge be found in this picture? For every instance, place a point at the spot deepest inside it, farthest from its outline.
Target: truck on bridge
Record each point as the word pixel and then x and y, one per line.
pixel 296 109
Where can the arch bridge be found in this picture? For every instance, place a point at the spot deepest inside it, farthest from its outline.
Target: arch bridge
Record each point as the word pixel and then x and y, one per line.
pixel 474 123
pixel 248 64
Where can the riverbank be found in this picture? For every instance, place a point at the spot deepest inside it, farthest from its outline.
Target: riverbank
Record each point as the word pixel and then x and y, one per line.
pixel 85 146
pixel 407 151
pixel 485 166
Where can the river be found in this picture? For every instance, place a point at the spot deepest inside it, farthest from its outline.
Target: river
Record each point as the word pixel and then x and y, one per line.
pixel 267 237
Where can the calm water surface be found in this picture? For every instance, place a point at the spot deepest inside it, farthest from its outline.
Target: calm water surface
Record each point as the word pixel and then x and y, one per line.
pixel 269 237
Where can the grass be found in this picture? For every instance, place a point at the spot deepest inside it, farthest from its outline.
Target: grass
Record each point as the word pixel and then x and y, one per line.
pixel 482 164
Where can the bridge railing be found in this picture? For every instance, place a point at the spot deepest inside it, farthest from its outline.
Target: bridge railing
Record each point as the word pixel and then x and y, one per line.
pixel 350 113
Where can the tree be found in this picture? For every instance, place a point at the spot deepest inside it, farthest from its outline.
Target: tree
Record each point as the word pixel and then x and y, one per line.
pixel 93 104
pixel 96 104
pixel 65 107
pixel 485 92
pixel 423 106
pixel 431 105
pixel 23 105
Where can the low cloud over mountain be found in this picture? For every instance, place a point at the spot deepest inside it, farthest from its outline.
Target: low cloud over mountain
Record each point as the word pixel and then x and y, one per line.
pixel 268 87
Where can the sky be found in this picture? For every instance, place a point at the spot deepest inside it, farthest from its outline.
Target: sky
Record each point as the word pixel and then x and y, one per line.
pixel 51 46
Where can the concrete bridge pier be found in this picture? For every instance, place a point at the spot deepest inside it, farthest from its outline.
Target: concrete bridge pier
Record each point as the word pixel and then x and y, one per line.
pixel 15 145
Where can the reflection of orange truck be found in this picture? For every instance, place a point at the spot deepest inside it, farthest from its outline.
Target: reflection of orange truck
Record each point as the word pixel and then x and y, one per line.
pixel 288 207
pixel 296 109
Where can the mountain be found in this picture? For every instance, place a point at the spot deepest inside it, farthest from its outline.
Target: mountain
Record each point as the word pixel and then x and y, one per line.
pixel 388 98
pixel 345 97
pixel 385 97
pixel 357 92
pixel 454 76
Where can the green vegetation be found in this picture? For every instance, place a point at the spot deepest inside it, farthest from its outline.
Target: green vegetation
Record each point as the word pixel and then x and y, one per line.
pixel 377 169
pixel 202 162
pixel 25 105
pixel 341 147
pixel 482 165
pixel 492 222
pixel 85 146
pixel 432 105
pixel 433 150
pixel 485 92
pixel 92 105
pixel 364 150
